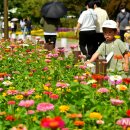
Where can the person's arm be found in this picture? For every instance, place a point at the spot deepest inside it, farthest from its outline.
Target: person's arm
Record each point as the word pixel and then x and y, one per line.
pixel 93 58
pixel 126 62
pixel 77 28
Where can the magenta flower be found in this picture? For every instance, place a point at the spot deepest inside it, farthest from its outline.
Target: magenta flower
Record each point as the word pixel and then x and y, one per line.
pixel 116 102
pixel 26 103
pixel 43 107
pixel 103 90
pixel 125 122
pixel 12 92
pixel 29 92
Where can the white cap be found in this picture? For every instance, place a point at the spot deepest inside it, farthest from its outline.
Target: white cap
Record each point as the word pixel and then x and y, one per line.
pixel 109 24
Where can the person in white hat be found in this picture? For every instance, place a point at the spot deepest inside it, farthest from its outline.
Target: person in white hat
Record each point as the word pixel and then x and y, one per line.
pixel 113 50
pixel 127 37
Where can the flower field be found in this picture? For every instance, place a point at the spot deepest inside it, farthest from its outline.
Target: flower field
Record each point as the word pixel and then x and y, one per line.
pixel 45 90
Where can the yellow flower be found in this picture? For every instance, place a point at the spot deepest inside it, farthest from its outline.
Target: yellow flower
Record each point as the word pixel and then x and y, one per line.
pixel 2 113
pixel 49 78
pixel 75 80
pixel 34 118
pixel 4 94
pixel 58 89
pixel 38 96
pixel 64 108
pixel 95 115
pixel 121 87
pixel 68 90
pixel 19 97
pixel 47 88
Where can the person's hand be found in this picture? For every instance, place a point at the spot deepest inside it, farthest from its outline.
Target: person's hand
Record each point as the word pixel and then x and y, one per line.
pixel 126 67
pixel 87 62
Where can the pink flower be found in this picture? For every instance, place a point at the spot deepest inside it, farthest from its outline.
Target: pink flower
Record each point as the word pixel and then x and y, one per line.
pixel 73 46
pixel 100 122
pixel 47 60
pixel 62 85
pixel 30 112
pixel 102 90
pixel 27 93
pixel 83 67
pixel 123 122
pixel 45 107
pixel 26 103
pixel 12 92
pixel 116 102
pixel 1 89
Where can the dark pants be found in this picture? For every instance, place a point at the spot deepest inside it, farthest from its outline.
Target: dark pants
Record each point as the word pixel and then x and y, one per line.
pixel 122 32
pixel 88 38
pixel 100 38
pixel 50 39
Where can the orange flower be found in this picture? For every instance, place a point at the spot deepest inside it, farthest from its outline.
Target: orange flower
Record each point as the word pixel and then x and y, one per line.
pixel 128 54
pixel 74 115
pixel 79 123
pixel 2 75
pixel 118 57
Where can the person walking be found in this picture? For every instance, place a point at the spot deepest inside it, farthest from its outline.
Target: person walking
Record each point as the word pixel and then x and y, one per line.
pixel 87 30
pixel 112 46
pixel 50 26
pixel 102 16
pixel 123 20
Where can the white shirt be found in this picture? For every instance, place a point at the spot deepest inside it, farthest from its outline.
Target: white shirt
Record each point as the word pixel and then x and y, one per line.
pixel 102 16
pixel 87 20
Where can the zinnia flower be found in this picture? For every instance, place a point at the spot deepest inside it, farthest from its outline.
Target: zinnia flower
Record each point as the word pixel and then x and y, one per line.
pixel 95 115
pixel 79 123
pixel 26 103
pixel 11 102
pixel 121 87
pixel 123 122
pixel 9 118
pixel 115 79
pixel 45 107
pixel 64 108
pixel 128 113
pixel 52 123
pixel 102 90
pixel 116 102
pixel 7 83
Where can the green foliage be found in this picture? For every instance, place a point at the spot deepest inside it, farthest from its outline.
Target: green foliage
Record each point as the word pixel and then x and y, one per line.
pixel 69 22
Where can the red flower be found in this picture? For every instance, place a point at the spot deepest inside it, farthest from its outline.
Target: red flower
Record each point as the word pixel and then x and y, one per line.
pixel 94 85
pixel 126 80
pixel 11 102
pixel 9 118
pixel 97 76
pixel 128 112
pixel 52 123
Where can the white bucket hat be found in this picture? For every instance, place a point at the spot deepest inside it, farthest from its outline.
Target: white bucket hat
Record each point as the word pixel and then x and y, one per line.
pixel 109 24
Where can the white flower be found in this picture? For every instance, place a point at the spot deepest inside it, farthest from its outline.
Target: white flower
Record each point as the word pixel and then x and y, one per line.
pixel 91 81
pixel 90 65
pixel 115 77
pixel 7 83
pixel 24 45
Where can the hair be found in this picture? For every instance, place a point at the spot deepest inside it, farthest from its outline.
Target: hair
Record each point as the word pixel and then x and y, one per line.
pixel 89 3
pixel 122 6
pixel 98 3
